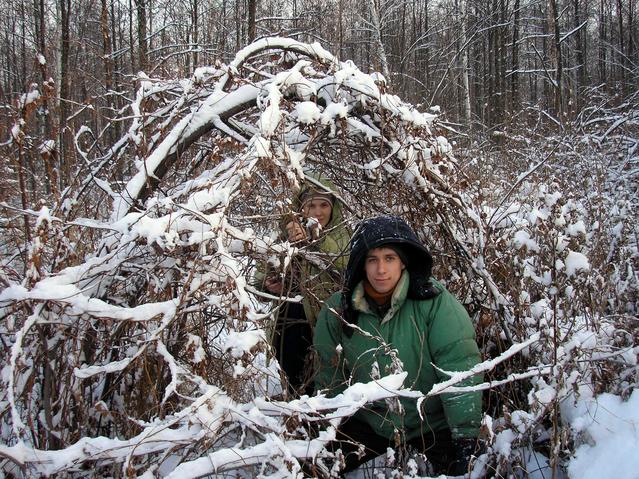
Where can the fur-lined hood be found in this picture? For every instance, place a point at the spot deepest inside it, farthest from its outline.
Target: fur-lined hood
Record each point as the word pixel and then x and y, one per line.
pixel 388 230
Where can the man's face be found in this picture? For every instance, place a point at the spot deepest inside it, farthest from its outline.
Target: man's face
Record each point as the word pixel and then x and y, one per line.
pixel 383 269
pixel 318 209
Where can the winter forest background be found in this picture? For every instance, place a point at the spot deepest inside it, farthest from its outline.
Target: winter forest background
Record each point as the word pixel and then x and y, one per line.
pixel 149 149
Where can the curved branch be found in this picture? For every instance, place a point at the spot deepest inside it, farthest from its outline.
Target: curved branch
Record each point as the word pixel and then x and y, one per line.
pixel 217 107
pixel 212 112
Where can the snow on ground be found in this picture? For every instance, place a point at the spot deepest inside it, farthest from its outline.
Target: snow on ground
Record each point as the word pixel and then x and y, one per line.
pixel 609 431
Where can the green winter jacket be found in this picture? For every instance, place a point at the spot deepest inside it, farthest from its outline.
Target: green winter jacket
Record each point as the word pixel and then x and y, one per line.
pixel 424 332
pixel 316 272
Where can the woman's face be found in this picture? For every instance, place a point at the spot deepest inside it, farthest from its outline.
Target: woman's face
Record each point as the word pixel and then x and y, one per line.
pixel 320 210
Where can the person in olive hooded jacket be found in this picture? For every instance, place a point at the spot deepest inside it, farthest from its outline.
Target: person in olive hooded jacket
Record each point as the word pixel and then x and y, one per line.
pixel 319 231
pixel 390 302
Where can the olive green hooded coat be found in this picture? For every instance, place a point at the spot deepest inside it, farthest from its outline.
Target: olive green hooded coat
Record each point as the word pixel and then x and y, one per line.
pixel 316 272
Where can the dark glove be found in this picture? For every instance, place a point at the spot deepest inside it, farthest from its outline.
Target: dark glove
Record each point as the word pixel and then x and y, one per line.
pixel 463 450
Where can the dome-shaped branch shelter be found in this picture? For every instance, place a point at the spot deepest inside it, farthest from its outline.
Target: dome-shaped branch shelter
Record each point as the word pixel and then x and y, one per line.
pixel 150 354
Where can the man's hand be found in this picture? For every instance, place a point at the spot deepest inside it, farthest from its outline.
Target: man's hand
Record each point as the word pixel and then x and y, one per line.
pixel 465 449
pixel 295 231
pixel 273 285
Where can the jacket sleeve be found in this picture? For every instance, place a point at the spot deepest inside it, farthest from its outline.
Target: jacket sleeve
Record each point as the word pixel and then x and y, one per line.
pixel 336 244
pixel 319 284
pixel 453 348
pixel 260 276
pixel 327 339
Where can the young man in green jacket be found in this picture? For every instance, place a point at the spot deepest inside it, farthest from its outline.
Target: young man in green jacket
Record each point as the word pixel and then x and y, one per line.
pixel 390 303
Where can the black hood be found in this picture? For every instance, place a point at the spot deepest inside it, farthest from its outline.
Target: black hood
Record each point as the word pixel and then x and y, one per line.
pixel 388 230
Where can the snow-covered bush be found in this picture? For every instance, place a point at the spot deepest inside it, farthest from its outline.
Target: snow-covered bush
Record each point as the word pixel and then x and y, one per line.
pixel 562 243
pixel 149 353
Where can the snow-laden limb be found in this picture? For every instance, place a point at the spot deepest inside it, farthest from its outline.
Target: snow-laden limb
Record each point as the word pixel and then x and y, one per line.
pixel 314 51
pixel 223 100
pixel 112 367
pixel 312 409
pixel 44 462
pixel 212 112
pixel 155 438
pixel 485 366
pixel 534 372
pixel 165 307
pixel 272 448
pixel 54 289
pixel 205 418
pixel 219 105
pixel 18 425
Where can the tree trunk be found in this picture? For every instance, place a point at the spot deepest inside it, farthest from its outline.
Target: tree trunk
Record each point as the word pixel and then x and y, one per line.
pixel 632 48
pixel 377 39
pixel 23 46
pixel 553 17
pixel 238 26
pixel 107 61
pixel 222 31
pixel 426 50
pixel 580 50
pixel 415 55
pixel 195 20
pixel 140 7
pixel 514 76
pixel 131 41
pixel 631 32
pixel 64 159
pixel 252 10
pixel 466 107
pixel 500 66
pixel 622 44
pixel 602 42
pixel 39 23
pixel 187 57
pixel 340 29
pixel 491 71
pixel 401 49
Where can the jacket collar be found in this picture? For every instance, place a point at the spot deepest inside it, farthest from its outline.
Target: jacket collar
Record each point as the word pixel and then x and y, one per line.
pixel 397 299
